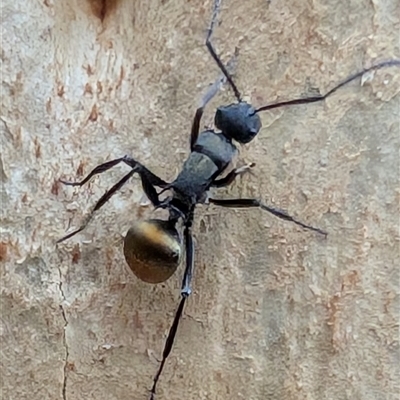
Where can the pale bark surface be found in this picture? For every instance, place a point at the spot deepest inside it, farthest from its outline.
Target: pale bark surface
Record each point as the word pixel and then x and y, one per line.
pixel 277 312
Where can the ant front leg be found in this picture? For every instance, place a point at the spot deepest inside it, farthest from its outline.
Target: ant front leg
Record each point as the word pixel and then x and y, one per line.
pixel 228 179
pixel 185 293
pixel 248 203
pixel 211 92
pixel 149 181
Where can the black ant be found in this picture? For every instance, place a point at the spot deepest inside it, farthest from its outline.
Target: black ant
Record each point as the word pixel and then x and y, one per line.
pixel 153 248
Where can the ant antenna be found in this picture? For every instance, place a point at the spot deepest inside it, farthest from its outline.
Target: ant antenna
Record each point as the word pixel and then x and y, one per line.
pixel 314 99
pixel 217 4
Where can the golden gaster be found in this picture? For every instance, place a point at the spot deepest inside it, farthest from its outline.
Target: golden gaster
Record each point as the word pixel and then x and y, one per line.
pixel 152 249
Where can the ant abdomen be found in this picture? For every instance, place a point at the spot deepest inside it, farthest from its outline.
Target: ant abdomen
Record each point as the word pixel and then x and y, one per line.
pixel 153 249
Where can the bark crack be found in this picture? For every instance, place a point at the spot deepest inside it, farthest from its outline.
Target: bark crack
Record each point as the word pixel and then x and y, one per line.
pixel 64 316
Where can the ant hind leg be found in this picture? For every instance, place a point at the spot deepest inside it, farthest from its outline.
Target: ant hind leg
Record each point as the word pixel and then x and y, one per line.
pixel 186 290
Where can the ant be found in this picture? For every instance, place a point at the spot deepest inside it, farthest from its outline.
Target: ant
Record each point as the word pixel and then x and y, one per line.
pixel 153 248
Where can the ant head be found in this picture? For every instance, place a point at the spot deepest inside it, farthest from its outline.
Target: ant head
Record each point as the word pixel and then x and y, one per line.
pixel 152 249
pixel 238 121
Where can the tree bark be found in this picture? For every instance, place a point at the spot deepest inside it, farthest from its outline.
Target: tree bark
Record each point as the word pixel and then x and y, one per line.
pixel 276 312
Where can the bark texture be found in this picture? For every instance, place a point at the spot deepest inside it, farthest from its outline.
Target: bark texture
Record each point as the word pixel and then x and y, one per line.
pixel 276 312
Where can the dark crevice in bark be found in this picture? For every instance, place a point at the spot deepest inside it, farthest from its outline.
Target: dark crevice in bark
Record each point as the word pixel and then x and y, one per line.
pixel 65 376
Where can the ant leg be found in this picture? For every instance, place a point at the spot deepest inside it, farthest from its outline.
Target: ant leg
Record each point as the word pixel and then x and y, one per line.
pixel 186 288
pixel 103 199
pixel 211 92
pixel 97 170
pixel 168 345
pixel 154 179
pixel 185 293
pixel 149 180
pixel 314 99
pixel 228 179
pixel 145 173
pixel 247 203
pixel 217 4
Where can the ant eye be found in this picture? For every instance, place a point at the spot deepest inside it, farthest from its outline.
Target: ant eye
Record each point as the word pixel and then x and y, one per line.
pixel 152 250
